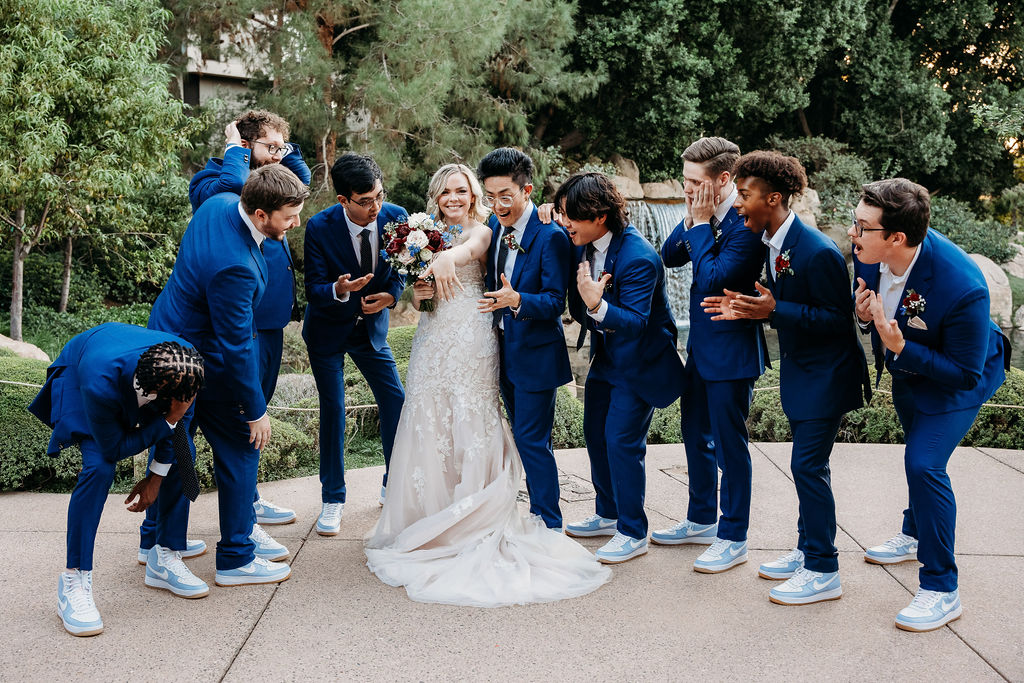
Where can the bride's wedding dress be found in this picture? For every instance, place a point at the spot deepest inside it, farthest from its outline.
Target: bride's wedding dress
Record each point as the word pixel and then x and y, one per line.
pixel 451 531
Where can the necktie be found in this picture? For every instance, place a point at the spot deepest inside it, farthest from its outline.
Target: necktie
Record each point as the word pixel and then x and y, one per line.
pixel 590 259
pixel 365 252
pixel 502 256
pixel 186 469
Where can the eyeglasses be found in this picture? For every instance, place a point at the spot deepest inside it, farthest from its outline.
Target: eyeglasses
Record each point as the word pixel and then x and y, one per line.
pixel 860 228
pixel 275 150
pixel 370 201
pixel 504 201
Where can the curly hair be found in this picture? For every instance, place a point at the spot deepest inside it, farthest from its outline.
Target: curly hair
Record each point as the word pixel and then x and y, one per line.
pixel 782 174
pixel 477 210
pixel 256 123
pixel 171 371
pixel 587 196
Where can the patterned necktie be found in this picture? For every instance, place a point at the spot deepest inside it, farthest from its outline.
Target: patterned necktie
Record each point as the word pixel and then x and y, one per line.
pixel 186 469
pixel 365 252
pixel 591 250
pixel 502 256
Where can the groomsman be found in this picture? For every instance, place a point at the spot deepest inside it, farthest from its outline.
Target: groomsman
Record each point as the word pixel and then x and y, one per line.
pixel 255 139
pixel 218 281
pixel 926 306
pixel 724 359
pixel 527 275
pixel 619 296
pixel 808 302
pixel 116 390
pixel 350 288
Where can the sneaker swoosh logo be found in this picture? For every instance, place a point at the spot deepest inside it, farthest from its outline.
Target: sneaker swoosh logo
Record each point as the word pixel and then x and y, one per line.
pixel 248 569
pixel 946 606
pixel 160 575
pixel 821 585
pixel 733 552
pixel 62 603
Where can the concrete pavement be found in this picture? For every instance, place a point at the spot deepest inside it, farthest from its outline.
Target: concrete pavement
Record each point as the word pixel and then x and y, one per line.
pixel 655 620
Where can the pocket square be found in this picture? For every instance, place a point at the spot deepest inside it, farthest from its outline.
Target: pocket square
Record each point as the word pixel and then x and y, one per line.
pixel 917 323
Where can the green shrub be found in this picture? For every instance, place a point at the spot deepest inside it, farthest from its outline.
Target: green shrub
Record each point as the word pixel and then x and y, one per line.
pixel 290 453
pixel 44 274
pixel 832 171
pixel 50 330
pixel 665 425
pixel 568 428
pixel 985 236
pixel 1001 427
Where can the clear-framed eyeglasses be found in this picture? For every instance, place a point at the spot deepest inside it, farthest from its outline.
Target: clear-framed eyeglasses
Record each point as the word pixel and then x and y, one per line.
pixel 504 201
pixel 276 150
pixel 859 227
pixel 370 201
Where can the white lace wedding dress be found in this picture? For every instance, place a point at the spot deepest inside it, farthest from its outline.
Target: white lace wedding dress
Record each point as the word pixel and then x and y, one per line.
pixel 451 531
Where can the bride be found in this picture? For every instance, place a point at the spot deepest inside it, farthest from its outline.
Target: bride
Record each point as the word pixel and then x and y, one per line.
pixel 450 531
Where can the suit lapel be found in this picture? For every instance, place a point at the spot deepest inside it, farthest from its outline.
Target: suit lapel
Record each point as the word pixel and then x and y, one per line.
pixel 920 281
pixel 788 245
pixel 533 227
pixel 254 249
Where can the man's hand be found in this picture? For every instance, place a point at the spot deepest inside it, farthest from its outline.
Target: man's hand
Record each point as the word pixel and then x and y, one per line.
pixel 862 298
pixel 718 307
pixel 591 290
pixel 704 203
pixel 442 268
pixel 232 135
pixel 421 291
pixel 504 297
pixel 741 306
pixel 259 432
pixel 146 489
pixel 546 213
pixel 346 284
pixel 373 303
pixel 178 410
pixel 888 330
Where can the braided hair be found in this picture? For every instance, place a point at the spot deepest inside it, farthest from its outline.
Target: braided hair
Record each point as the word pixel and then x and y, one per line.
pixel 171 371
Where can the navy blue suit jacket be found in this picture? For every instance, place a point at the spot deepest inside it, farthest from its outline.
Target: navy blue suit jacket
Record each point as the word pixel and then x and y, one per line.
pixel 534 343
pixel 218 280
pixel 329 254
pixel 635 345
pixel 229 175
pixel 824 373
pixel 724 349
pixel 90 392
pixel 960 360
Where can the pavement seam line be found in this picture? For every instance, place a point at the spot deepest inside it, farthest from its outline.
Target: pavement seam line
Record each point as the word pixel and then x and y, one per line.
pixel 259 617
pixel 992 457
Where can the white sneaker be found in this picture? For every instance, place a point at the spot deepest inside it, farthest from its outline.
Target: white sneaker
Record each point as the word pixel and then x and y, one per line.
pixel 166 570
pixel 75 605
pixel 329 522
pixel 268 513
pixel 783 567
pixel 899 548
pixel 929 610
pixel 267 547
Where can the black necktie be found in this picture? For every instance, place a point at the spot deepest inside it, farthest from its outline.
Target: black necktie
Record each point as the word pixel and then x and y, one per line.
pixel 365 252
pixel 590 258
pixel 186 469
pixel 502 256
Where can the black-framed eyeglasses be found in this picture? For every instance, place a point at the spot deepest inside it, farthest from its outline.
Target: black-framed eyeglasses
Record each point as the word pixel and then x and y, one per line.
pixel 860 228
pixel 504 201
pixel 370 201
pixel 275 149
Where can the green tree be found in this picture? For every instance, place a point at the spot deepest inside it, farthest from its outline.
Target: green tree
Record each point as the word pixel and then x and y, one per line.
pixel 88 119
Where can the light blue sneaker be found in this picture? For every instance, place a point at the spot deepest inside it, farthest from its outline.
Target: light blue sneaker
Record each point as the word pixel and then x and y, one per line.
pixel 268 513
pixel 329 521
pixel 929 610
pixel 806 587
pixel 165 570
pixel 899 548
pixel 621 548
pixel 256 572
pixel 723 554
pixel 193 548
pixel 267 547
pixel 782 568
pixel 383 492
pixel 686 532
pixel 594 525
pixel 75 605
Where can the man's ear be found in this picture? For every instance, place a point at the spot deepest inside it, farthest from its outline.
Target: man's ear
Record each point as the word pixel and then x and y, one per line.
pixel 342 199
pixel 262 215
pixel 245 143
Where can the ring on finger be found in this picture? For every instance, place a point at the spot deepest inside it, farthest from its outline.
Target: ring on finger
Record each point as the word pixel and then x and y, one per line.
pixel 494 300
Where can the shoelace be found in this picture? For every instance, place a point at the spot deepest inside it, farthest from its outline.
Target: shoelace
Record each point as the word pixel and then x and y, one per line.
pixel 171 559
pixel 803 576
pixel 794 555
pixel 267 504
pixel 86 581
pixel 332 510
pixel 719 546
pixel 76 594
pixel 681 525
pixel 260 536
pixel 897 542
pixel 925 599
pixel 590 520
pixel 618 540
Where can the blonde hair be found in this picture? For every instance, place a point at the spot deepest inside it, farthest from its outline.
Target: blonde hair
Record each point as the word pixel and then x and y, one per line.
pixel 477 211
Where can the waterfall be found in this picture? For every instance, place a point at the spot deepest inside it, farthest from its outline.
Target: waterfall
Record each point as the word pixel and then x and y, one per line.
pixel 655 221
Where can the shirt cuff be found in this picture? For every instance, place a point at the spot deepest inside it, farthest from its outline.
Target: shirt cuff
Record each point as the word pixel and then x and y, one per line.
pixel 159 468
pixel 259 418
pixel 172 425
pixel 340 299
pixel 600 313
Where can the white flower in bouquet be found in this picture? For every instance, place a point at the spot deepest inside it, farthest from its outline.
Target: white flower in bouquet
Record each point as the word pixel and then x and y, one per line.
pixel 425 255
pixel 417 238
pixel 420 219
pixel 405 257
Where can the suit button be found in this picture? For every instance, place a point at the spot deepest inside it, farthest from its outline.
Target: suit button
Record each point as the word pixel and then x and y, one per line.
pixel 785 355
pixel 241 412
pixel 289 267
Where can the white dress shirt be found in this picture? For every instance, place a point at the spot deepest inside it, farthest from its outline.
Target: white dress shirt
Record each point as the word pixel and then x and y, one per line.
pixel 159 468
pixel 776 241
pixel 518 229
pixel 890 286
pixel 355 232
pixel 601 245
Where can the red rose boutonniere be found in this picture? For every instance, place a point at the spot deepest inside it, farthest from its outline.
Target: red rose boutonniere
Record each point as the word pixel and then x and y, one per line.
pixel 513 245
pixel 607 285
pixel 782 265
pixel 913 304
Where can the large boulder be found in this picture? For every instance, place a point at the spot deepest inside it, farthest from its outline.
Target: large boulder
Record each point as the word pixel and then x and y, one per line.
pixel 627 187
pixel 23 349
pixel 1018 318
pixel 626 168
pixel 1001 310
pixel 806 205
pixel 1015 266
pixel 669 189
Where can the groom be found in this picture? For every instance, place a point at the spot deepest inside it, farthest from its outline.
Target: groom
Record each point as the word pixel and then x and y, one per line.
pixel 527 275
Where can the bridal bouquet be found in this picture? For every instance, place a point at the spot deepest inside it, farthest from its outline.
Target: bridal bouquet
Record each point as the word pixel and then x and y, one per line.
pixel 412 244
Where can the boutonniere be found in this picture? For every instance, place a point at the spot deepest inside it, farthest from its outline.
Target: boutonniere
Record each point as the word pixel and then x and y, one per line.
pixel 913 306
pixel 716 231
pixel 513 245
pixel 782 265
pixel 607 285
